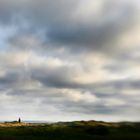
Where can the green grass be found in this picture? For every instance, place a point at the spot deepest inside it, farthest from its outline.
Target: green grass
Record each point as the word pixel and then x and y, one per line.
pixel 73 131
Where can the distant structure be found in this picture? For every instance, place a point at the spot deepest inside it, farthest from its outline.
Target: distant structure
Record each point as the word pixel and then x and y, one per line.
pixel 19 120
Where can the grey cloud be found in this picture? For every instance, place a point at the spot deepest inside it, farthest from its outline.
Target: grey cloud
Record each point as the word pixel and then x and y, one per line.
pixel 52 26
pixel 122 84
pixel 99 35
pixel 62 28
pixel 61 102
pixel 61 77
pixel 9 80
pixel 100 107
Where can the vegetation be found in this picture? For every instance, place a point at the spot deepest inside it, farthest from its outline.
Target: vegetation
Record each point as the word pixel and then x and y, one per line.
pixel 78 130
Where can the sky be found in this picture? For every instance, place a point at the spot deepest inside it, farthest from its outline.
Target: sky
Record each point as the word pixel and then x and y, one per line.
pixel 64 60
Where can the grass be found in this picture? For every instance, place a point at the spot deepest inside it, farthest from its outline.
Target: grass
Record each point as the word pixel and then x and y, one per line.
pixel 78 130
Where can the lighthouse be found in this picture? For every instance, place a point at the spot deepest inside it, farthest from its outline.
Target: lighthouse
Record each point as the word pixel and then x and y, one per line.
pixel 19 120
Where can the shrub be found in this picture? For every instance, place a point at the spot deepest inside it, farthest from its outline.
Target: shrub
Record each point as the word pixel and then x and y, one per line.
pixel 97 130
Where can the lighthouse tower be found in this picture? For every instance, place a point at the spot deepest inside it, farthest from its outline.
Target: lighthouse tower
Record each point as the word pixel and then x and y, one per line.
pixel 19 120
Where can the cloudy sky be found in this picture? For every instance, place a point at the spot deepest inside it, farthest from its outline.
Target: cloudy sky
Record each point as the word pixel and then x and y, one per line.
pixel 70 60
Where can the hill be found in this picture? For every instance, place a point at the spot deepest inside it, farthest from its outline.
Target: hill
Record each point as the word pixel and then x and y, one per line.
pixel 77 130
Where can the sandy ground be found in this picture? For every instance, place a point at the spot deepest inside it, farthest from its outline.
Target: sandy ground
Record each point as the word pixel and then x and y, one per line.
pixel 8 124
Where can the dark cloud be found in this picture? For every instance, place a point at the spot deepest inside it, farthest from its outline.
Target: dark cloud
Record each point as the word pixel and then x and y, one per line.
pixel 59 77
pixel 9 80
pixel 62 28
pixel 98 36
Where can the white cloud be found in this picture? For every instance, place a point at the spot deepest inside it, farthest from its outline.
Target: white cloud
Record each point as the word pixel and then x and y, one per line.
pixel 78 96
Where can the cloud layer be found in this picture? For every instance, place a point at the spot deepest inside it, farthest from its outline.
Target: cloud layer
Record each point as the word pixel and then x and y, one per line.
pixel 70 59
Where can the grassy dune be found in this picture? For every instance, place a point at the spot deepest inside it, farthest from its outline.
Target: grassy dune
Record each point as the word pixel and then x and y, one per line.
pixel 78 130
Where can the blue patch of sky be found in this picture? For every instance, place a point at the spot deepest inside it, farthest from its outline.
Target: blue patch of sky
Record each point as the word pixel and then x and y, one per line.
pixel 5 34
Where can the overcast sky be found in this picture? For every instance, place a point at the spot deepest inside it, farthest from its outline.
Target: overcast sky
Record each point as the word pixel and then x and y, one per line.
pixel 63 60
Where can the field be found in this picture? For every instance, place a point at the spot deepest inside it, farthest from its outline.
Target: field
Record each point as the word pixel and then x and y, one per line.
pixel 78 130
